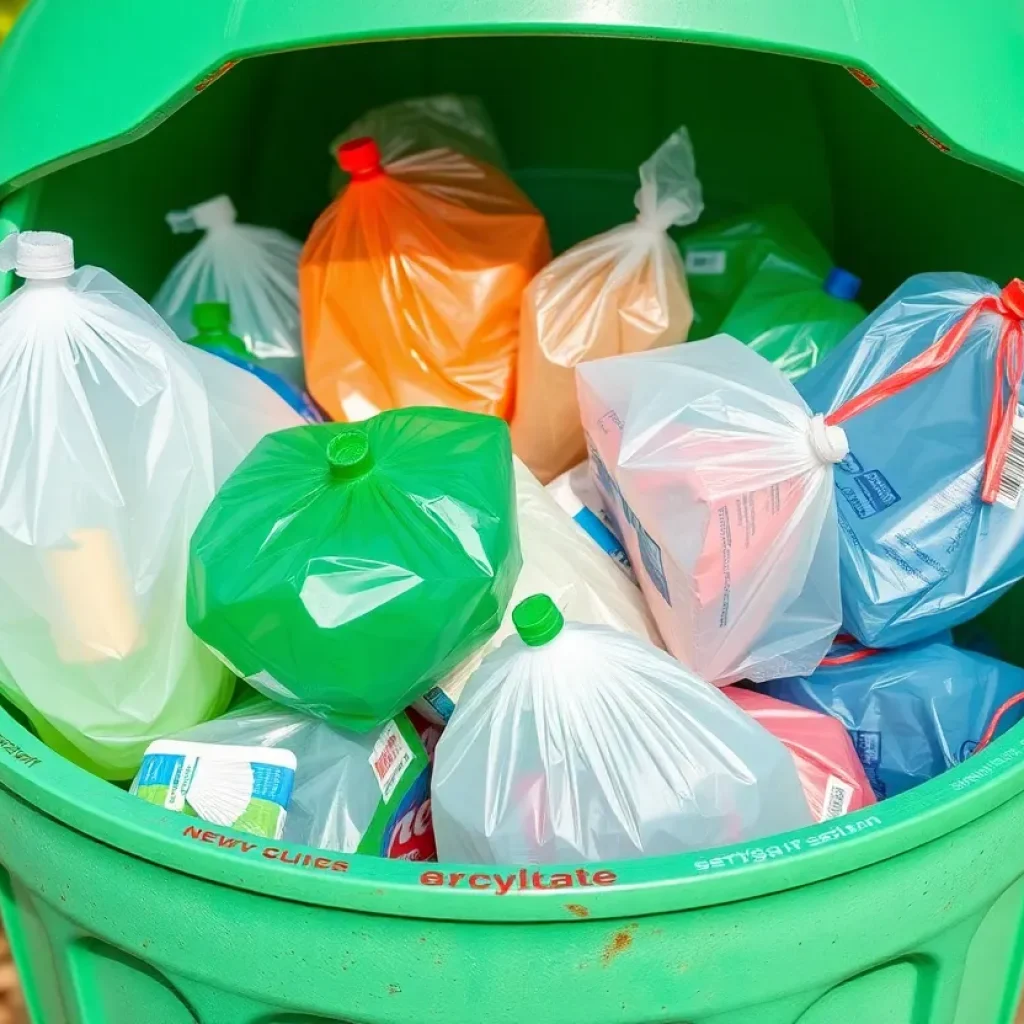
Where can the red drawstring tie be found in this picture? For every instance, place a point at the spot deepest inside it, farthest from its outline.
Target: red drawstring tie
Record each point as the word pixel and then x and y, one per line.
pixel 842 640
pixel 1009 305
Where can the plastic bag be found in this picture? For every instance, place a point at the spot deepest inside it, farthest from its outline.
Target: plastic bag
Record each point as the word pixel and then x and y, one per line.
pixel 792 317
pixel 927 390
pixel 723 257
pixel 411 284
pixel 113 438
pixel 459 123
pixel 254 270
pixel 558 560
pixel 353 793
pixel 719 483
pixel 342 570
pixel 578 496
pixel 911 712
pixel 579 743
pixel 623 291
pixel 832 777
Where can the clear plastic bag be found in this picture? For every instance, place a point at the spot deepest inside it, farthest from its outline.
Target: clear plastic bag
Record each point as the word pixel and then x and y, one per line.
pixel 255 270
pixel 346 796
pixel 411 284
pixel 579 743
pixel 912 712
pixel 578 496
pixel 719 483
pixel 928 392
pixel 623 291
pixel 113 438
pixel 830 772
pixel 459 123
pixel 560 561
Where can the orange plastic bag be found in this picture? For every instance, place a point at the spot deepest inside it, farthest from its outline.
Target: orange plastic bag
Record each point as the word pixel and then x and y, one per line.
pixel 623 291
pixel 411 283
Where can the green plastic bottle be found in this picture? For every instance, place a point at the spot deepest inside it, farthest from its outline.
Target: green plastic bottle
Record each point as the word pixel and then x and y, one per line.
pixel 792 317
pixel 724 256
pixel 212 321
pixel 343 569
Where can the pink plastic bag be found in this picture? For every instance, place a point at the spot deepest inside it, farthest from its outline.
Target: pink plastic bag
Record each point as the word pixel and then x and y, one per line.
pixel 830 772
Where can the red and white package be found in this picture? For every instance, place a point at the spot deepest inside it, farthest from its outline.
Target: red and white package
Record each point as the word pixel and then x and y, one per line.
pixel 830 772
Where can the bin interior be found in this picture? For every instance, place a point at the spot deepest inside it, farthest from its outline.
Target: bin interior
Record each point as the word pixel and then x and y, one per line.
pixel 576 116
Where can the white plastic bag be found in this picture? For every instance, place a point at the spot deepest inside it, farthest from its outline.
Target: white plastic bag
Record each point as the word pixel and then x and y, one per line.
pixel 623 291
pixel 558 560
pixel 353 792
pixel 253 269
pixel 719 482
pixel 580 743
pixel 113 438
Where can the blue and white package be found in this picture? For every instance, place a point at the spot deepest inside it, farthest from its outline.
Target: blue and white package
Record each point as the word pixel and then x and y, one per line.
pixel 912 712
pixel 927 390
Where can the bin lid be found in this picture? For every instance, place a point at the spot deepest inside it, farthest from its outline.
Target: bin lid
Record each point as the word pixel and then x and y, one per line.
pixel 77 78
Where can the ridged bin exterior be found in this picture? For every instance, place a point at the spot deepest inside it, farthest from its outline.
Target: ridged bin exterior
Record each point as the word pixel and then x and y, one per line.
pixel 910 912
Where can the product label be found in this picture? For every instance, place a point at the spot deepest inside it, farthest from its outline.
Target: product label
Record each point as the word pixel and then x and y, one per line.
pixel 705 262
pixel 868 745
pixel 837 799
pixel 868 493
pixel 409 832
pixel 389 759
pixel 219 785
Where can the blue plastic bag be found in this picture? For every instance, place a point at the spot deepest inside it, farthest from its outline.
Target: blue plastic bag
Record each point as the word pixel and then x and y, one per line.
pixel 912 712
pixel 927 391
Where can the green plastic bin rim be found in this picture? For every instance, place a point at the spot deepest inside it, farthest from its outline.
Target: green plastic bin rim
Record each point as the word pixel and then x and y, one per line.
pixel 79 78
pixel 518 892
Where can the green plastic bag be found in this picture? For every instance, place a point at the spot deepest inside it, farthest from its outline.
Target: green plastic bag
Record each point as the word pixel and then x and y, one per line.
pixel 342 569
pixel 793 317
pixel 722 258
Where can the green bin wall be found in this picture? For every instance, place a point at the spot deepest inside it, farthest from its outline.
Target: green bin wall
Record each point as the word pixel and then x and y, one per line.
pixel 906 913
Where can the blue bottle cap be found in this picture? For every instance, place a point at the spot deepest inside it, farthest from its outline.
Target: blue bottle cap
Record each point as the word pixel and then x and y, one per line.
pixel 841 284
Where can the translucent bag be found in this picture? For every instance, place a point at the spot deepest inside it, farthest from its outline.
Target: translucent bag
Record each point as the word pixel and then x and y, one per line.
pixel 578 743
pixel 342 569
pixel 722 257
pixel 113 438
pixel 560 561
pixel 411 283
pixel 253 269
pixel 459 123
pixel 832 776
pixel 353 793
pixel 912 712
pixel 793 317
pixel 578 496
pixel 928 391
pixel 623 291
pixel 719 482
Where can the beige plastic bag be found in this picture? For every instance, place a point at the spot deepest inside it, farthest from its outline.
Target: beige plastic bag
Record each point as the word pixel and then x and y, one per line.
pixel 623 291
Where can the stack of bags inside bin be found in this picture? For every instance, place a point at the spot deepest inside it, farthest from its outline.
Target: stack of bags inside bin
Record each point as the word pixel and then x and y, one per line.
pixel 415 541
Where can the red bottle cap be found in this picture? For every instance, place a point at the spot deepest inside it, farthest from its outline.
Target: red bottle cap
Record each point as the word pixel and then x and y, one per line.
pixel 360 158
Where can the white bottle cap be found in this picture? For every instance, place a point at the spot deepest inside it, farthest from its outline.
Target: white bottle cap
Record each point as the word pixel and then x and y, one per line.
pixel 38 255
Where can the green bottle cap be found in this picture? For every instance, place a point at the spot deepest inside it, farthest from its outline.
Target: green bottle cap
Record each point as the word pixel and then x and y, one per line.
pixel 348 453
pixel 211 316
pixel 537 620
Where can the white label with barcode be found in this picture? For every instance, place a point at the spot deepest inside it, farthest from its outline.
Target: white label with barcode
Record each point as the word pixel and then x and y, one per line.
pixel 1013 468
pixel 705 261
pixel 837 800
pixel 390 757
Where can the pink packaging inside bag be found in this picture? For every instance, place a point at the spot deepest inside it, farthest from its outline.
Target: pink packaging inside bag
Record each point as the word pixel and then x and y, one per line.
pixel 830 772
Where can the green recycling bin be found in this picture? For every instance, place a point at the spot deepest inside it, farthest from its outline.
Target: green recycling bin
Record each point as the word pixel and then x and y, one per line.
pixel 892 129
